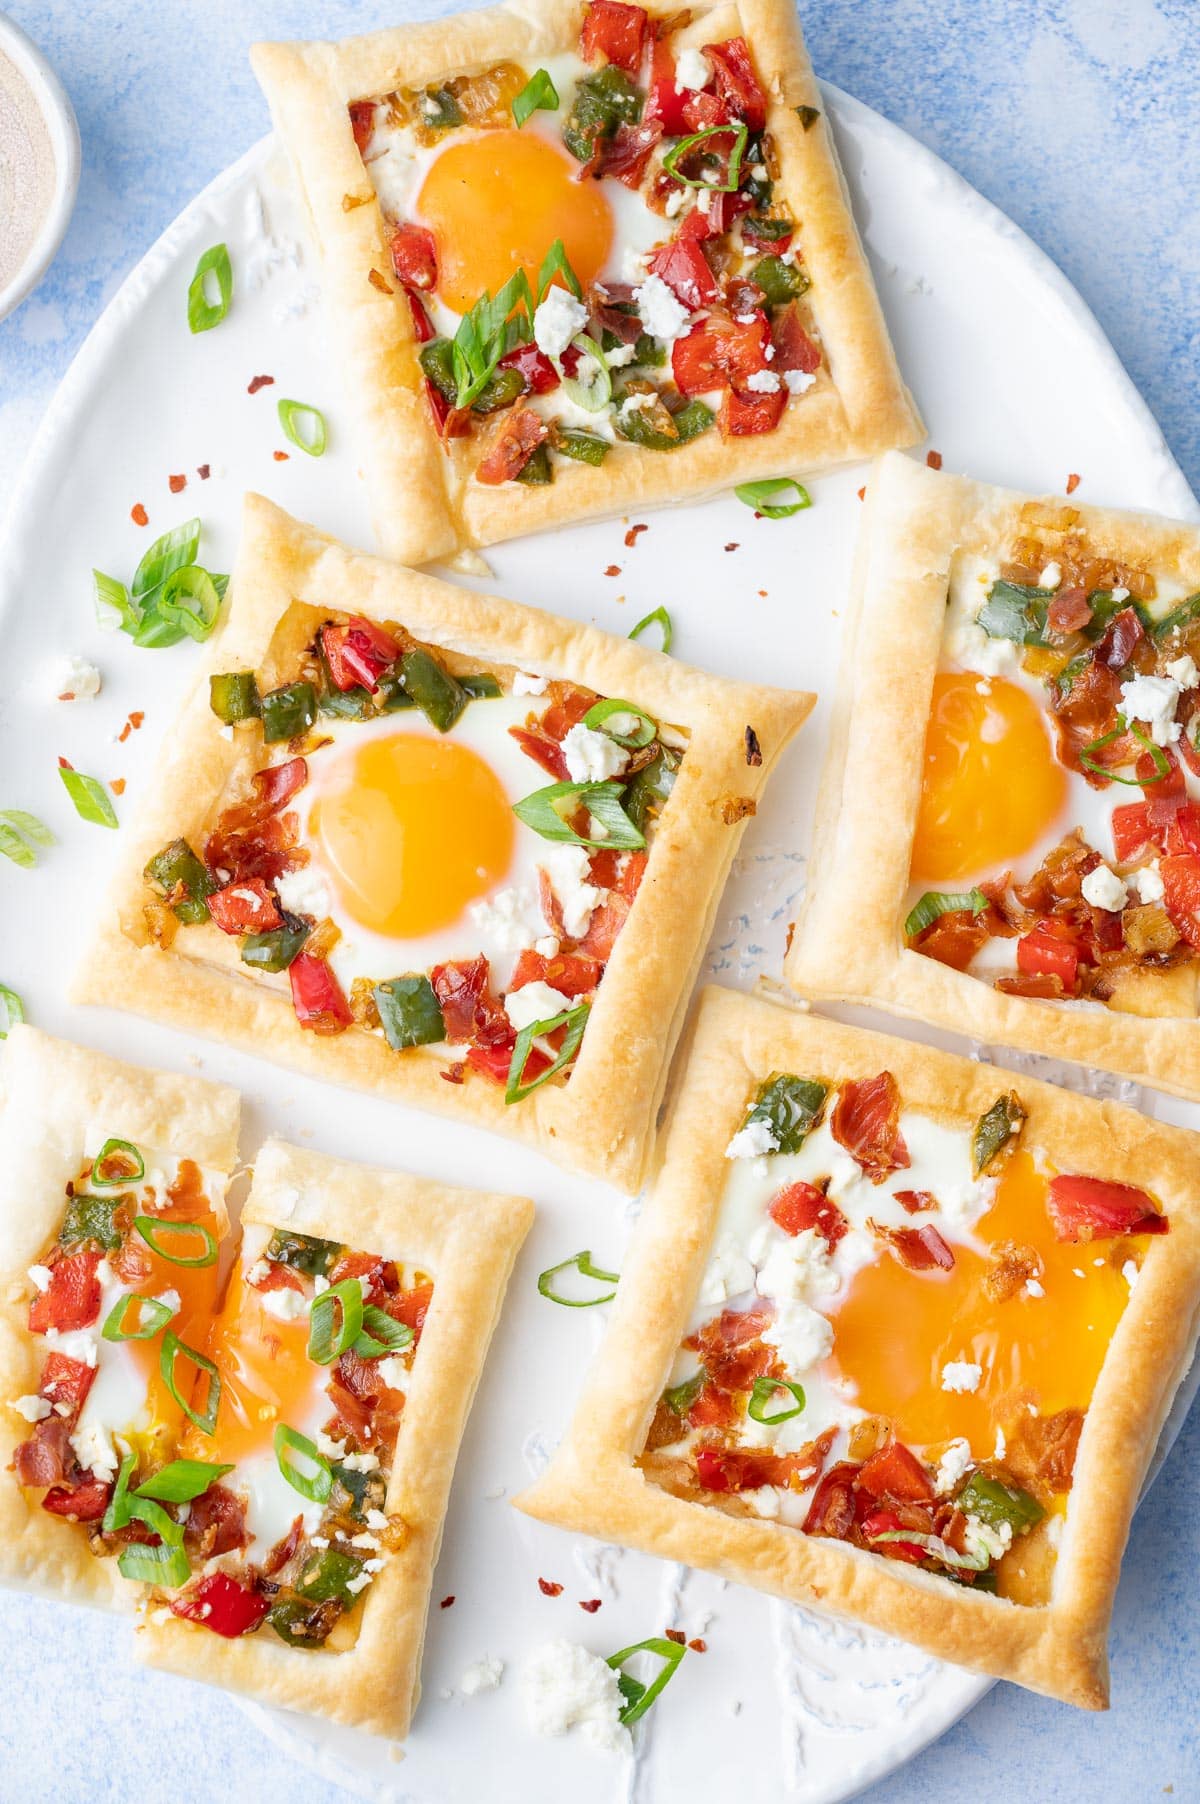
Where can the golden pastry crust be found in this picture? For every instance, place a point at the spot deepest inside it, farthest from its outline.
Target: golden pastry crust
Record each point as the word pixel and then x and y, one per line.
pixel 593 1485
pixel 848 942
pixel 603 1119
pixel 426 503
pixel 468 1241
pixel 55 1100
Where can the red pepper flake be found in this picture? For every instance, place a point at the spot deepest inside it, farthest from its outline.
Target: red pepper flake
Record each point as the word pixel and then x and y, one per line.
pixel 280 457
pixel 590 1604
pixel 203 472
pixel 631 537
pixel 447 1601
pixel 734 546
pixel 177 484
pixel 934 459
pixel 549 1587
pixel 138 515
pixel 862 494
pixel 698 1646
pixel 65 764
pixel 131 726
pixel 454 1074
pixel 118 786
pixel 763 594
pixel 676 1635
pixel 613 570
pixel 257 382
pixel 1073 483
pixel 378 281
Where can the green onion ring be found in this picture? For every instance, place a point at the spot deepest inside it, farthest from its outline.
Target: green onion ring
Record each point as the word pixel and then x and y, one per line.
pixel 90 798
pixel 1162 764
pixel 171 1348
pixel 151 1316
pixel 118 1148
pixel 644 731
pixel 288 1443
pixel 117 1513
pixel 582 1263
pixel 935 903
pixel 760 1396
pixel 733 174
pixel 640 1697
pixel 191 584
pixel 298 419
pixel 12 1009
pixel 166 1565
pixel 182 1480
pixel 594 396
pixel 659 618
pixel 324 1346
pixel 150 1226
pixel 381 1333
pixel 758 496
pixel 574 1020
pixel 202 313
pixel 602 800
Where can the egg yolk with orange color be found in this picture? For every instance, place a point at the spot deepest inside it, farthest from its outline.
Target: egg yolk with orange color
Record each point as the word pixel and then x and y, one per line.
pixel 412 829
pixel 150 1274
pixel 496 202
pixel 991 785
pixel 266 1376
pixel 898 1328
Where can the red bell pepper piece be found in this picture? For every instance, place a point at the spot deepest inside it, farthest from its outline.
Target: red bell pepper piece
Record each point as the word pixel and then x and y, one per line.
pixel 1052 950
pixel 317 996
pixel 567 973
pixel 895 1472
pixel 747 415
pixel 684 268
pixel 1094 1209
pixel 615 32
pixel 358 653
pixel 414 257
pixel 72 1298
pixel 66 1380
pixel 803 1206
pixel 362 122
pixel 495 1062
pixel 222 1605
pixel 719 352
pixel 423 327
pixel 794 349
pixel 1132 831
pixel 535 368
pixel 247 907
pixel 1183 833
pixel 665 101
pixel 736 82
pixel 832 1510
pixel 1181 884
pixel 86 1503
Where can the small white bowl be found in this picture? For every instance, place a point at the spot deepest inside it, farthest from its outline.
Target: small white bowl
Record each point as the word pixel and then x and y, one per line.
pixel 59 115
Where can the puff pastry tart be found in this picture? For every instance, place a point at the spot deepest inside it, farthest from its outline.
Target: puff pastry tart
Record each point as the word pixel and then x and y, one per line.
pixel 579 256
pixel 440 846
pixel 895 1340
pixel 1008 833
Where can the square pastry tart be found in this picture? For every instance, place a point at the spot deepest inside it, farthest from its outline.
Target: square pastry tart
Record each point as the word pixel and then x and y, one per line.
pixel 1008 831
pixel 893 1340
pixel 578 257
pixel 438 846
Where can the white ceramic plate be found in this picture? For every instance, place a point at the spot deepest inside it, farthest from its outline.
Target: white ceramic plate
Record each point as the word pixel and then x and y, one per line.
pixel 1018 385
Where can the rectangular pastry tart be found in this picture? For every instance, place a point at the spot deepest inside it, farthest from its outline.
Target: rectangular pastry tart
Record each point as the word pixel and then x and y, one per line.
pixel 347 1352
pixel 439 846
pixel 895 1340
pixel 581 256
pixel 112 1210
pixel 1008 832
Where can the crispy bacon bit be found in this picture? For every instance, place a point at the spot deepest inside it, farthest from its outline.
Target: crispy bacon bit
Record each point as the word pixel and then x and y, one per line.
pixel 46 1457
pixel 257 382
pixel 913 1201
pixel 803 1206
pixel 611 915
pixel 733 546
pixel 549 1587
pixel 1069 612
pixel 676 1635
pixel 832 1511
pixel 1093 1209
pixel 626 153
pixel 743 1469
pixel 446 1602
pixel 590 1604
pixel 753 748
pixel 362 122
pixel 520 433
pixel 216 1524
pixel 631 537
pixel 920 1249
pixel 1044 1447
pixel 794 349
pixel 737 808
pixel 177 484
pixel 1073 482
pixel 866 1121
pixel 203 472
pixel 736 82
pixel 138 515
pixel 86 1502
pixel 469 1010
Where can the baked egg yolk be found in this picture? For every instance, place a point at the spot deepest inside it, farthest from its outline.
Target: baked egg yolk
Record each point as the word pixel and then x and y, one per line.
pixel 991 785
pixel 266 1376
pixel 898 1328
pixel 496 202
pixel 412 829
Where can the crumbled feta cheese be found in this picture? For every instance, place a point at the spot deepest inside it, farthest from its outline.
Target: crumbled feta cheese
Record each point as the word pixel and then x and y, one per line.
pixel 39 1277
pixel 365 1539
pixel 1153 699
pixel 802 1335
pixel 961 1375
pixel 1184 672
pixel 34 1409
pixel 1001 1447
pixel 1104 889
pixel 328 1446
pixel 1119 594
pixel 799 381
pixel 535 1001
pixel 484 1675
pixel 1051 576
pixel 983 1537
pixel 620 355
pixel 511 919
pixel 304 892
pixel 556 321
pixel 75 1343
pixel 319 1283
pixel 1130 1272
pixel 318 1540
pixel 355 1585
pixel 753 1141
pixel 547 946
pixel 763 382
pixel 764 1499
pixel 637 403
pixel 1034 1288
pixel 797 1267
pixel 564 1687
pixel 1148 883
pixel 361 1462
pixel 285 1304
pixel 662 313
pixel 673 205
pixel 376 1519
pixel 77 681
pixel 170 1299
pixel 392 1370
pixel 94 1450
pixel 524 684
pixel 592 757
pixel 692 69
pixel 567 868
pixel 258 1271
pixel 728 1274
pixel 952 1465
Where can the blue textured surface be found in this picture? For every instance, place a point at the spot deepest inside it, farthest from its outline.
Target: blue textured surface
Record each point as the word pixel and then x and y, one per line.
pixel 1078 118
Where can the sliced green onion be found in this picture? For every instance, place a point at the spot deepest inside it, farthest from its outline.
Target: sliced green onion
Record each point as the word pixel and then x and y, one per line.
pixel 151 1316
pixel 152 1227
pixel 113 606
pixel 733 172
pixel 581 1263
pixel 758 495
pixel 304 426
pixel 659 618
pixel 574 1020
pixel 172 1347
pixel 189 600
pixel 381 1333
pixel 680 1397
pixel 634 737
pixel 90 798
pixel 557 263
pixel 288 1447
pixel 592 394
pixel 12 1009
pixel 935 903
pixel 1162 764
pixel 172 550
pixel 182 1480
pixel 166 1565
pixel 760 1396
pixel 936 1548
pixel 542 812
pixel 538 95
pixel 130 1165
pixel 639 1697
pixel 19 834
pixel 344 1300
pixel 117 1513
pixel 203 314
pixel 996 1130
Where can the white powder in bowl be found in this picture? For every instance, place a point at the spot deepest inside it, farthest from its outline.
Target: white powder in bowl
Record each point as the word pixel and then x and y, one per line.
pixel 27 170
